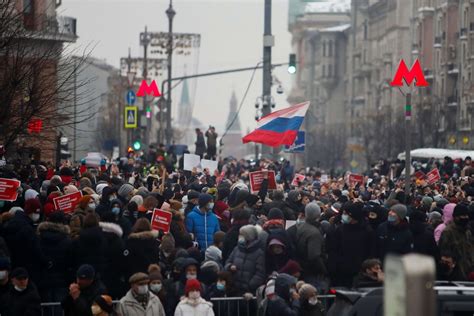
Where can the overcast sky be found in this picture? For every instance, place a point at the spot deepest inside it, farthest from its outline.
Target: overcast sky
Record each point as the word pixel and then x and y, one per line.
pixel 231 33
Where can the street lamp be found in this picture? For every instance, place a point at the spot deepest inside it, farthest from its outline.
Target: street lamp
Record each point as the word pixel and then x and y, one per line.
pixel 170 12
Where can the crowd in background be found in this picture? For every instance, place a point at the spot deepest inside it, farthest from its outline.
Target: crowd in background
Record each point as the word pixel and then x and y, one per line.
pixel 284 246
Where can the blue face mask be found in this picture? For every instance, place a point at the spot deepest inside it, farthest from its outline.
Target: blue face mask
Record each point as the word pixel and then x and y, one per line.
pixel 220 286
pixel 392 219
pixel 116 210
pixel 242 241
pixel 346 219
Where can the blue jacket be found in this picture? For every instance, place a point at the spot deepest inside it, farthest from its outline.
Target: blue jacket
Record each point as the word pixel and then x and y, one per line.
pixel 203 226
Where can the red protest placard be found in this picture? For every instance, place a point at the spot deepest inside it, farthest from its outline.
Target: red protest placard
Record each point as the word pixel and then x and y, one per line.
pixel 433 176
pixel 419 175
pixel 256 179
pixel 8 189
pixel 357 178
pixel 298 179
pixel 161 220
pixel 67 203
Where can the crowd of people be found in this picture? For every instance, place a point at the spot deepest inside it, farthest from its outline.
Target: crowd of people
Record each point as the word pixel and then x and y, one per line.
pixel 284 246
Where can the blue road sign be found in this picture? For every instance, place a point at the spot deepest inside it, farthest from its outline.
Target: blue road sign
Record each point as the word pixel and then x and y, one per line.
pixel 298 145
pixel 131 97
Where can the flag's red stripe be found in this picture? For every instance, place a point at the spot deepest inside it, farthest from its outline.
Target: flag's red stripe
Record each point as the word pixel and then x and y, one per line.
pixel 271 138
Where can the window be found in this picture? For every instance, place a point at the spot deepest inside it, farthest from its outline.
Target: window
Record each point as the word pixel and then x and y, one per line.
pixel 324 49
pixel 330 70
pixel 330 48
pixel 365 29
pixel 324 70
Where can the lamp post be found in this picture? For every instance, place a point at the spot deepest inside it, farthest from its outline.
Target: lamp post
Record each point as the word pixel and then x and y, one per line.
pixel 170 12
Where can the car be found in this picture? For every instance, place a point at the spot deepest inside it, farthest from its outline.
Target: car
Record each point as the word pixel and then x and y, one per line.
pixel 93 159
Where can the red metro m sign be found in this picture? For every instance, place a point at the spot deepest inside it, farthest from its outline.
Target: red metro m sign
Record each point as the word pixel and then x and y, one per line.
pixel 146 89
pixel 408 75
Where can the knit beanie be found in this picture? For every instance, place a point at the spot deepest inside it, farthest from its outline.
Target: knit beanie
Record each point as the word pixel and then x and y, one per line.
pixel 291 267
pixel 32 206
pixel 275 213
pixel 426 201
pixel 400 210
pixel 434 216
pixel 213 254
pixel 154 272
pixel 249 232
pixel 312 212
pixel 460 210
pixel 68 189
pixel 100 187
pixel 192 285
pixel 356 211
pixel 138 199
pixel 167 243
pixel 125 190
pixel 307 290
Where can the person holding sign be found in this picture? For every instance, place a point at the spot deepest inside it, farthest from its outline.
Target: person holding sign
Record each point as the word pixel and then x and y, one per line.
pixel 202 222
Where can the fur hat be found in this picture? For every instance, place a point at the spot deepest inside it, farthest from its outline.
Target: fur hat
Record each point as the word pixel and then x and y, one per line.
pixel 249 232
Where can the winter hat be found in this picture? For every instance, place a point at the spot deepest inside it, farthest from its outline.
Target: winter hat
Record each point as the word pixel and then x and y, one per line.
pixel 88 191
pixel 154 272
pixel 32 206
pixel 68 189
pixel 418 216
pixel 84 183
pixel 167 243
pixel 356 211
pixel 433 216
pixel 275 213
pixel 400 210
pixel 219 237
pixel 192 285
pixel 441 203
pixel 143 192
pixel 336 207
pixel 86 271
pixel 105 303
pixel 223 192
pixel 249 232
pixel 138 199
pixel 15 209
pixel 213 254
pixel 19 273
pixel 57 217
pixel 84 201
pixel 204 198
pixel 100 187
pixel 427 201
pixel 312 212
pixel 30 194
pixel 291 267
pixel 5 263
pixel 138 277
pixel 278 195
pixel 460 210
pixel 307 290
pixel 193 195
pixel 125 190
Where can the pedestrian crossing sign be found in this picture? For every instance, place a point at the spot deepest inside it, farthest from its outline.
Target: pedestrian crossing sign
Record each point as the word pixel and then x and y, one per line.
pixel 131 117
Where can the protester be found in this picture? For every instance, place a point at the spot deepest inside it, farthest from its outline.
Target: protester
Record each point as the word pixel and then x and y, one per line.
pixel 211 136
pixel 202 222
pixel 22 298
pixel 193 303
pixel 370 275
pixel 309 302
pixel 286 301
pixel 200 143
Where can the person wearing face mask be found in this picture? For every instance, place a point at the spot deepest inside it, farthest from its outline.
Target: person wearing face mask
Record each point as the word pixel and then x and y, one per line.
pixel 103 306
pixel 349 245
pixel 120 218
pixel 202 222
pixel 22 298
pixel 458 239
pixel 108 195
pixel 190 269
pixel 286 300
pixel 277 251
pixel 157 287
pixel 193 303
pixel 394 236
pixel 448 269
pixel 310 305
pixel 139 301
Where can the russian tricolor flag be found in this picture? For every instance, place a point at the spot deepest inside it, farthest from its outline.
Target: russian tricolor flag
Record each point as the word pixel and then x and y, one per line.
pixel 280 127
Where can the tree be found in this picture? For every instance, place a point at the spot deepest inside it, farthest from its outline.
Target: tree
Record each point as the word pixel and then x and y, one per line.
pixel 36 72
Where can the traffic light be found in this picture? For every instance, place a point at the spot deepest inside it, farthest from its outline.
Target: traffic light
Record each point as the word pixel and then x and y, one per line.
pixel 148 112
pixel 292 64
pixel 137 145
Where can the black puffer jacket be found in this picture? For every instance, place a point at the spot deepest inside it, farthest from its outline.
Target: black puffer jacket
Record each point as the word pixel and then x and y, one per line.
pixel 141 250
pixel 394 239
pixel 250 263
pixel 281 305
pixel 423 239
pixel 56 244
pixel 90 248
pixel 26 303
pixel 113 276
pixel 82 306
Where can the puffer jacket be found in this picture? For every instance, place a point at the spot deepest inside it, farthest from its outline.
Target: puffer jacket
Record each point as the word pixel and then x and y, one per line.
pixel 203 226
pixel 129 306
pixel 281 304
pixel 250 263
pixel 141 250
pixel 90 248
pixel 310 249
pixel 55 243
pixel 447 218
pixel 187 307
pixel 394 239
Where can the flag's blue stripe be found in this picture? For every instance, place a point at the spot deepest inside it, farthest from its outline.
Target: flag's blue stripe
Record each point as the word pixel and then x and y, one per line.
pixel 283 124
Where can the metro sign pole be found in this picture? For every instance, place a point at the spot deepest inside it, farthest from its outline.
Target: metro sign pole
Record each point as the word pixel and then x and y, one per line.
pixel 408 75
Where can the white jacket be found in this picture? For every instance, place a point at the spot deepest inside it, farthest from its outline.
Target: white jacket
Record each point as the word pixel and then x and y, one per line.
pixel 186 308
pixel 129 306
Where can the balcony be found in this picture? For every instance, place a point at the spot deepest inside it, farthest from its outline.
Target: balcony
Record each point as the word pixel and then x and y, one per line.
pixel 437 42
pixel 56 28
pixel 452 101
pixel 463 34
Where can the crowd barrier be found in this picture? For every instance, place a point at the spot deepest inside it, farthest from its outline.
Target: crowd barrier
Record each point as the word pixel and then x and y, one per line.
pixel 229 306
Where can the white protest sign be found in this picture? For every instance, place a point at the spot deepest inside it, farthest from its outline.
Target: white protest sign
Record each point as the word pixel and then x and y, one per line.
pixel 211 165
pixel 191 161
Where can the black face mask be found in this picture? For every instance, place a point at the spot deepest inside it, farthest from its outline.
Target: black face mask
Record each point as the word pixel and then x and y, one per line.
pixel 461 222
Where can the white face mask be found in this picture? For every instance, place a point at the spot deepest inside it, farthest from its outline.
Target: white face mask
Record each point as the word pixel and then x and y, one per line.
pixel 142 289
pixel 19 289
pixel 194 295
pixel 3 275
pixel 156 287
pixel 92 206
pixel 35 217
pixel 313 300
pixel 191 276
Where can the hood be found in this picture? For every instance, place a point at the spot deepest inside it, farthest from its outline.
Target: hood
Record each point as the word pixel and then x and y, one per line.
pixel 111 228
pixel 448 213
pixel 283 283
pixel 53 227
pixel 144 235
pixel 293 195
